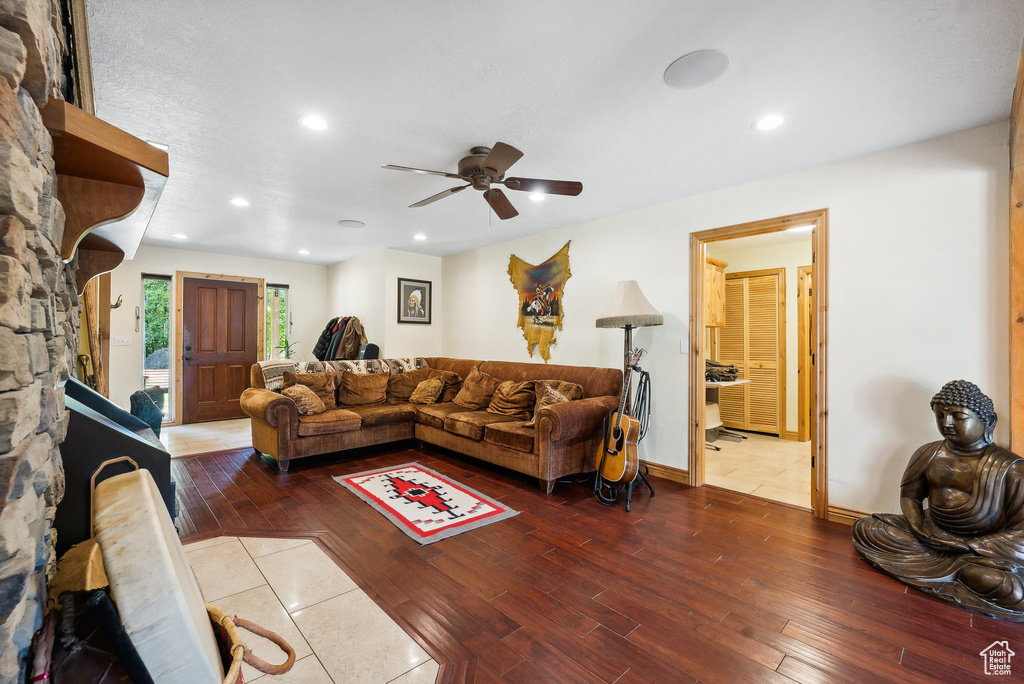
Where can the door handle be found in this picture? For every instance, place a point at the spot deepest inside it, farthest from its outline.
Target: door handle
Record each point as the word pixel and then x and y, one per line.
pixel 188 347
pixel 188 358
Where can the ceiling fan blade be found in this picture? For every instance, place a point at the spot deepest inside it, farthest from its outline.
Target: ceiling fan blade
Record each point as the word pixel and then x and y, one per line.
pixel 501 157
pixel 548 187
pixel 409 168
pixel 500 204
pixel 440 195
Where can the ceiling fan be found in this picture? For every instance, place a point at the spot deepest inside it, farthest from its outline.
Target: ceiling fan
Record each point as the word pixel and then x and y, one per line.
pixel 486 166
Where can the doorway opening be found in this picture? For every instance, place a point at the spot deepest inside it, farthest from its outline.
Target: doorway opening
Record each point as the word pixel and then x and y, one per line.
pixel 156 338
pixel 812 371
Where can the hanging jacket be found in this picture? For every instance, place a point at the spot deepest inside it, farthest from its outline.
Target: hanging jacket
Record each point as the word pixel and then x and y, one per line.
pixel 320 349
pixel 332 348
pixel 351 340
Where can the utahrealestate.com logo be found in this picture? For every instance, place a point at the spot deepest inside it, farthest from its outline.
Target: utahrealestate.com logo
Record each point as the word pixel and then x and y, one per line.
pixel 997 658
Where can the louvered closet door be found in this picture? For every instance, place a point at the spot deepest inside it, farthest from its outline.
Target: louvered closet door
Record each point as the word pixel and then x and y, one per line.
pixel 751 341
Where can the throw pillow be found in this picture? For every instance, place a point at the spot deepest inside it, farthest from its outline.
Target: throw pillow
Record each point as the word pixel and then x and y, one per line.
pixel 427 391
pixel 514 399
pixel 322 384
pixel 402 385
pixel 361 389
pixel 305 399
pixel 553 392
pixel 452 383
pixel 477 390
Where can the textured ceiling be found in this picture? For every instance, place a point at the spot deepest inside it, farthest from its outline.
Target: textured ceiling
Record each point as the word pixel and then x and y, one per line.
pixel 575 84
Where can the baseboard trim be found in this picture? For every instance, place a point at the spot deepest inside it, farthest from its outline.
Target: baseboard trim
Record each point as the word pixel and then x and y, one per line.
pixel 791 436
pixel 668 472
pixel 846 516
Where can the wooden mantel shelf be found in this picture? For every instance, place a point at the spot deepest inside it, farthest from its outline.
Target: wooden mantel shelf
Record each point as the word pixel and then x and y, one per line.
pixel 108 181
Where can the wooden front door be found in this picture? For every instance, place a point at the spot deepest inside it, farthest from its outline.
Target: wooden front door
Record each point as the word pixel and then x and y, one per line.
pixel 220 338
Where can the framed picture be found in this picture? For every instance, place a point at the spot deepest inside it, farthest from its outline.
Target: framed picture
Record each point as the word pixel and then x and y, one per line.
pixel 413 301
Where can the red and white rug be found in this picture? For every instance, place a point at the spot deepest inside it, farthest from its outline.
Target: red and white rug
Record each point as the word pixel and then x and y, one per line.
pixel 424 504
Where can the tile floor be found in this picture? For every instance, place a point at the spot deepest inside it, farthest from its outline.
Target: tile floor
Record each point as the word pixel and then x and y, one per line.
pixel 200 438
pixel 290 586
pixel 765 466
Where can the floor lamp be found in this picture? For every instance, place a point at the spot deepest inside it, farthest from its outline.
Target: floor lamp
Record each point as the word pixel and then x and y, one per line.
pixel 629 309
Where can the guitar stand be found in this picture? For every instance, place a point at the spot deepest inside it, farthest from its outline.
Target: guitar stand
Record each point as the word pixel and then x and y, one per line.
pixel 599 484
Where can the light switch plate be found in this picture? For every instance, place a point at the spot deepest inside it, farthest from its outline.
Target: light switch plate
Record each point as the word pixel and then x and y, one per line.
pixel 683 347
pixel 123 341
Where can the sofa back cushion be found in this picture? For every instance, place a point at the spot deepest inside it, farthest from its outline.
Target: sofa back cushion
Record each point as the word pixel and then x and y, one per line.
pixel 324 385
pixel 451 383
pixel 362 389
pixel 514 399
pixel 477 390
pixel 402 385
pixel 596 382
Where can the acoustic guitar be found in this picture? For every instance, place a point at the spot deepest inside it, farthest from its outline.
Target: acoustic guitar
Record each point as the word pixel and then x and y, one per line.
pixel 617 453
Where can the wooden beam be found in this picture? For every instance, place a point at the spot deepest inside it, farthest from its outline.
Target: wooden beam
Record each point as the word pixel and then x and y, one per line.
pixel 1017 263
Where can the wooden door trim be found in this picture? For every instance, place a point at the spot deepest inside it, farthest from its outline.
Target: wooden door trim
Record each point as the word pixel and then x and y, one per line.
pixel 782 383
pixel 179 286
pixel 803 429
pixel 1017 263
pixel 819 342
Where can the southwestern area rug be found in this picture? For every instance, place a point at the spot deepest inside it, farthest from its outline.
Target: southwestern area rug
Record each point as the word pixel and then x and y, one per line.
pixel 424 504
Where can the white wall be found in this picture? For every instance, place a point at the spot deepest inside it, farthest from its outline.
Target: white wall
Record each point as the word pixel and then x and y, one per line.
pixel 918 295
pixel 790 256
pixel 367 287
pixel 307 288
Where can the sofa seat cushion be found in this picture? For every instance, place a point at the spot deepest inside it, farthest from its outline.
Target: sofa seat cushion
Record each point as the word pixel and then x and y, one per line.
pixel 434 414
pixel 512 435
pixel 328 422
pixel 384 414
pixel 471 424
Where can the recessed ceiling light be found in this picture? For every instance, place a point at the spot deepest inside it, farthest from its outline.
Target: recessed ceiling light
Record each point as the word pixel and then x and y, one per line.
pixel 800 229
pixel 419 236
pixel 768 122
pixel 303 252
pixel 696 69
pixel 314 122
pixel 240 201
pixel 350 223
pixel 180 236
pixel 537 196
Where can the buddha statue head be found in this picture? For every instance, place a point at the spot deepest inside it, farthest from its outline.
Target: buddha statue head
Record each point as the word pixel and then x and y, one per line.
pixel 965 416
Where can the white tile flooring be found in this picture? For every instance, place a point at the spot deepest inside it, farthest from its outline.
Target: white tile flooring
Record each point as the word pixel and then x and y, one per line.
pixel 290 586
pixel 199 438
pixel 765 466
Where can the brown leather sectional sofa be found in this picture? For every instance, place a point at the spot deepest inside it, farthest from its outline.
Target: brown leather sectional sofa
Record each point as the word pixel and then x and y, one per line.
pixel 563 441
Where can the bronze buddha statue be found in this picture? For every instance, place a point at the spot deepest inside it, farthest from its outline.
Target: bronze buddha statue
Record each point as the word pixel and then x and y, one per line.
pixel 967 546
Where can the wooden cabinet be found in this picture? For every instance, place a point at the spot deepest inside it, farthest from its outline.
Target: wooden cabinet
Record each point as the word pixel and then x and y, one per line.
pixel 754 341
pixel 714 292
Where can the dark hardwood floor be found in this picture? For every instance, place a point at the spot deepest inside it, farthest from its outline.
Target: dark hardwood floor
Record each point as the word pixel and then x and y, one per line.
pixel 692 585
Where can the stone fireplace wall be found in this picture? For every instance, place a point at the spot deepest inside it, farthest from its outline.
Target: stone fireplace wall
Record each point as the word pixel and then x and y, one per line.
pixel 39 313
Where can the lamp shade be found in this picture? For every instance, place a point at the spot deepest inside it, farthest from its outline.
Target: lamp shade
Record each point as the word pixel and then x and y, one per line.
pixel 629 308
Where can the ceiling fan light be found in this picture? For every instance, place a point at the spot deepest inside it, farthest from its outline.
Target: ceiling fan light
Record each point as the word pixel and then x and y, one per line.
pixel 537 197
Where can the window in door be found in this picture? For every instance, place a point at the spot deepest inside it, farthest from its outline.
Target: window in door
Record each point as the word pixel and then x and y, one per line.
pixel 156 360
pixel 279 344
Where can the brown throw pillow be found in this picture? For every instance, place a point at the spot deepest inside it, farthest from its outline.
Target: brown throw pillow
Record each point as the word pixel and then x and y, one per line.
pixel 514 399
pixel 477 390
pixel 401 385
pixel 427 391
pixel 362 389
pixel 305 399
pixel 553 392
pixel 452 383
pixel 322 384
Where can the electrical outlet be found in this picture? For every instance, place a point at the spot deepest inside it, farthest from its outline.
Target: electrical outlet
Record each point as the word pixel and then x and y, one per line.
pixel 123 341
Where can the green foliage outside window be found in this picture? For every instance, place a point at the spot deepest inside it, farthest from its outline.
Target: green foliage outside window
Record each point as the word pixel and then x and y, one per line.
pixel 157 294
pixel 277 343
